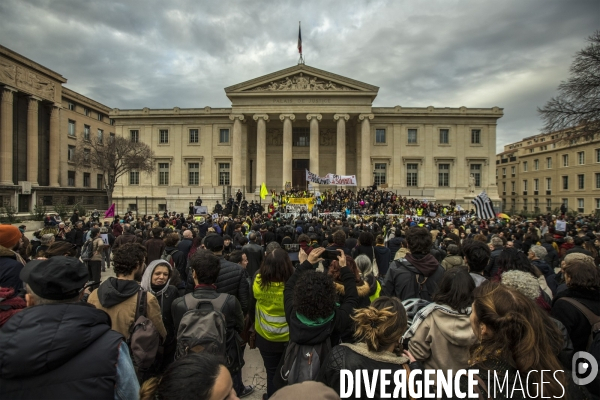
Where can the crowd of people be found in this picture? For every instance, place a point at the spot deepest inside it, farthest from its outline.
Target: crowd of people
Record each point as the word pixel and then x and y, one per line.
pixel 396 284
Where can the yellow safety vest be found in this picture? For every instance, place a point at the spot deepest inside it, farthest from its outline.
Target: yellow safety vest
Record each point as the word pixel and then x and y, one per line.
pixel 270 320
pixel 419 211
pixel 376 294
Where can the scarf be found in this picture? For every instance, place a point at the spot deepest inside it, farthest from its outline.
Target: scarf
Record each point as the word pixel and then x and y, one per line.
pixel 147 277
pixel 424 313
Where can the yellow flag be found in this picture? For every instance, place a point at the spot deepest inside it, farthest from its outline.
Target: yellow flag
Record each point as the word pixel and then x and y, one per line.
pixel 263 191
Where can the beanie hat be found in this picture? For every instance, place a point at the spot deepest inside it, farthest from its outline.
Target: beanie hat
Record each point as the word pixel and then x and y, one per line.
pixel 9 236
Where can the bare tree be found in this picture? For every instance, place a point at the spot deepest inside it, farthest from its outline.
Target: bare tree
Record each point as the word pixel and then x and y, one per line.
pixel 114 158
pixel 576 109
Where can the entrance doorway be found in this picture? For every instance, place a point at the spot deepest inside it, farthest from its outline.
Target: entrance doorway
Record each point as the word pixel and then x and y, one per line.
pixel 299 167
pixel 24 200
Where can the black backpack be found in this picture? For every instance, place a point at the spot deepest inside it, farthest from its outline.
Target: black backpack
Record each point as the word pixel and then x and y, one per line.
pixel 302 362
pixel 420 288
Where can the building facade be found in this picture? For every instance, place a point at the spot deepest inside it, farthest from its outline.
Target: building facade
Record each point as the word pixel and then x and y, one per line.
pixel 540 173
pixel 40 121
pixel 302 118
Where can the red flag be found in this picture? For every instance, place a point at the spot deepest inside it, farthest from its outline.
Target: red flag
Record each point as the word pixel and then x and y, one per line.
pixel 110 212
pixel 299 39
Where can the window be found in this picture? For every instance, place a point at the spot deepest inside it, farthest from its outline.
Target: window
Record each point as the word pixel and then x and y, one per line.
pixel 86 132
pixel 503 187
pixel 135 136
pixel 444 175
pixel 581 158
pixel 566 203
pixel 536 185
pixel 379 135
pixel 412 174
pixel 581 181
pixel 548 204
pixel 100 117
pixel 71 178
pixel 412 136
pixel 193 173
pixel 224 136
pixel 504 172
pixel 71 106
pixel 380 173
pixel 194 138
pixel 71 128
pixel 513 170
pixel 163 136
pixel 163 173
pixel 565 180
pixel 86 112
pixel 536 165
pixel 548 183
pixel 536 205
pixel 524 204
pixel 580 205
pixel 512 185
pixel 224 172
pixel 86 156
pixel 565 159
pixel 111 121
pixel 475 136
pixel 134 177
pixel 99 181
pixel 525 166
pixel 86 179
pixel 525 185
pixel 597 155
pixel 444 136
pixel 476 172
pixel 111 138
pixel 100 136
pixel 597 181
pixel 71 153
pixel 531 150
pixel 549 162
pixel 300 137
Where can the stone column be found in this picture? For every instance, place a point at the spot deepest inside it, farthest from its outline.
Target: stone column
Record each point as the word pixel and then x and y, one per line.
pixel 32 140
pixel 6 136
pixel 340 159
pixel 314 142
pixel 366 175
pixel 236 151
pixel 261 149
pixel 287 146
pixel 54 145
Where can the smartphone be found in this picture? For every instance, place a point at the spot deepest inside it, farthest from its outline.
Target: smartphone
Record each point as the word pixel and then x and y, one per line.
pixel 330 255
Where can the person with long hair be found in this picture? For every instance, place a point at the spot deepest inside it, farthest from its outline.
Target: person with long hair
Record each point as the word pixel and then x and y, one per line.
pixel 439 335
pixel 268 313
pixel 198 376
pixel 514 337
pixel 379 328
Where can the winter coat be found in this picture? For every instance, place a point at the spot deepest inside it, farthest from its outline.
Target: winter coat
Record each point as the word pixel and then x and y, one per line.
pixel 403 278
pixel 442 341
pixel 118 297
pixel 394 244
pixel 10 269
pixel 452 261
pixel 125 238
pixel 548 273
pixel 185 245
pixel 368 251
pixel 255 254
pixel 154 249
pixel 492 267
pixel 74 357
pixel 179 261
pixel 576 323
pixel 383 255
pixel 10 304
pixel 552 257
pixel 356 357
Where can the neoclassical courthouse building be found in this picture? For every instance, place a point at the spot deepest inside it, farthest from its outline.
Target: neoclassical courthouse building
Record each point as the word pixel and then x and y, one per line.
pixel 278 126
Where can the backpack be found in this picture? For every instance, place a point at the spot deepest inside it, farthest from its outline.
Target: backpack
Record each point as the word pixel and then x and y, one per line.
pixel 144 339
pixel 168 257
pixel 203 327
pixel 87 250
pixel 420 289
pixel 302 362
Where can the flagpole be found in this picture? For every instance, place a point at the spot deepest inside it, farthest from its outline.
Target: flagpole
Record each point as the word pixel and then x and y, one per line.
pixel 301 59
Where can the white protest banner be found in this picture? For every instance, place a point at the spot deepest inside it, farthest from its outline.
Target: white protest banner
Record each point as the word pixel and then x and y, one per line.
pixel 341 180
pixel 314 178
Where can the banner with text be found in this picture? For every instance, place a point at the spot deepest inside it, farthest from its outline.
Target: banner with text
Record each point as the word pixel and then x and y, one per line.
pixel 331 179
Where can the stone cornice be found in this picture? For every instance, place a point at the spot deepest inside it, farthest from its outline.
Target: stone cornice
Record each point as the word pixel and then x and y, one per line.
pixel 84 101
pixel 31 64
pixel 318 117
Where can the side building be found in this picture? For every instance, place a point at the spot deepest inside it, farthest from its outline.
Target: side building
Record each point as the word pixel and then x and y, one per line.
pixel 540 173
pixel 40 122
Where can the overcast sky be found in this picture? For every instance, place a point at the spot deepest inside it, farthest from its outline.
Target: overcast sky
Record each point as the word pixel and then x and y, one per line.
pixel 445 53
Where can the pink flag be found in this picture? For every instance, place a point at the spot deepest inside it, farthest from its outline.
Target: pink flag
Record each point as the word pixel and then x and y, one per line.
pixel 110 212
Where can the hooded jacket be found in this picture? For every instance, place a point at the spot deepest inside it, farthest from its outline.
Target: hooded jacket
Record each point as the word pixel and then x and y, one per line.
pixel 452 261
pixel 76 356
pixel 415 276
pixel 576 323
pixel 383 255
pixel 118 298
pixel 10 269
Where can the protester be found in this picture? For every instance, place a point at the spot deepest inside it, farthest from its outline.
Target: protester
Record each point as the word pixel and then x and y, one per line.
pixel 477 256
pixel 365 268
pixel 11 262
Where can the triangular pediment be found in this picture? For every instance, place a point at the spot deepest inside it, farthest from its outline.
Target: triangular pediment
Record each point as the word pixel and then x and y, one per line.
pixel 299 79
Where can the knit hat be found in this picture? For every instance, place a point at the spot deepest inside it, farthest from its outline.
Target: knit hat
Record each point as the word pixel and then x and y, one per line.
pixel 9 236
